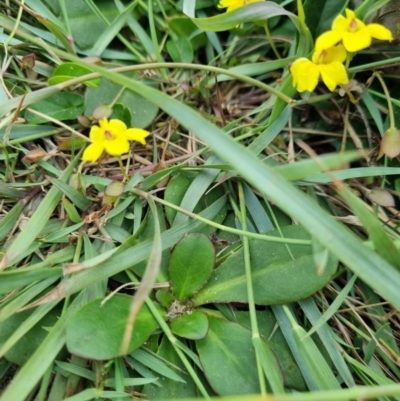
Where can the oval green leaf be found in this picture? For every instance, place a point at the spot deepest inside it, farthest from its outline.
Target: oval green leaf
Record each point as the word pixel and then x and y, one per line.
pixel 66 71
pixel 61 106
pixel 277 278
pixel 174 193
pixel 192 326
pixel 96 332
pixel 191 265
pixel 228 358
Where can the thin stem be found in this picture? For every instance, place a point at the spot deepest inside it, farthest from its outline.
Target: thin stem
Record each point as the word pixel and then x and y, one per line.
pixel 271 40
pixel 249 285
pixel 153 34
pixel 389 100
pixel 122 167
pixel 222 227
pixel 15 28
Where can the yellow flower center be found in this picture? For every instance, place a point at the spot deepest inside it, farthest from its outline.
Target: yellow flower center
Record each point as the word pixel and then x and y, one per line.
pixel 322 57
pixel 353 25
pixel 109 135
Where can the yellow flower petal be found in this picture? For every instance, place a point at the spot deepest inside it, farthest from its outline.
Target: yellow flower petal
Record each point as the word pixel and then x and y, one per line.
pixel 333 74
pixel 328 39
pixel 117 146
pixel 103 123
pixel 137 134
pixel 356 41
pixel 378 31
pixel 340 23
pixel 93 152
pixel 96 134
pixel 329 55
pixel 305 75
pixel 117 127
pixel 231 4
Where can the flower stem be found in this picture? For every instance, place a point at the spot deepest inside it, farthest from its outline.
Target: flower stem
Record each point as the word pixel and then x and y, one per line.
pixel 271 40
pixel 389 100
pixel 121 165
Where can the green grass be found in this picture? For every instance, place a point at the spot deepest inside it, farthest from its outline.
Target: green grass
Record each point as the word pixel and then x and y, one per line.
pixel 252 251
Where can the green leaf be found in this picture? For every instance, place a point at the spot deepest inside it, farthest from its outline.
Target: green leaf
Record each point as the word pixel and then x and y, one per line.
pixel 7 190
pixel 383 244
pixel 193 326
pixel 248 13
pixel 183 27
pixel 73 214
pixel 58 32
pixel 180 50
pixel 123 113
pixel 96 331
pixel 25 347
pixel 66 71
pixel 228 358
pixel 143 112
pixel 174 193
pixel 277 278
pixel 369 7
pixel 156 364
pixel 79 200
pixel 170 389
pixel 8 222
pixel 165 298
pixel 314 360
pixel 319 19
pixel 14 279
pixel 81 16
pixel 191 265
pixel 38 220
pixel 61 106
pixel 267 325
pixel 253 69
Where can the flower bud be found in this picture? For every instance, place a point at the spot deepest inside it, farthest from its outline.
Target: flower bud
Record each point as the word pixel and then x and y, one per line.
pixel 76 181
pixel 381 197
pixel 103 111
pixel 113 192
pixel 34 156
pixel 84 121
pixel 390 145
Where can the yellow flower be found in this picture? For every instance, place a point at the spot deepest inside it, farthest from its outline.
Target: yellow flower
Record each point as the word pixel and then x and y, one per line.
pixel 231 5
pixel 353 32
pixel 327 64
pixel 113 137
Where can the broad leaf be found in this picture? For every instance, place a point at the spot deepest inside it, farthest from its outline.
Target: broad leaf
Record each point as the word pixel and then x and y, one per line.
pixel 277 278
pixel 61 106
pixel 171 389
pixel 66 71
pixel 193 326
pixel 96 331
pixel 228 358
pixel 191 265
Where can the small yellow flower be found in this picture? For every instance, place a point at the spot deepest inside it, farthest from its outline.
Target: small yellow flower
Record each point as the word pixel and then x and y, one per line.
pixel 113 137
pixel 353 32
pixel 231 5
pixel 327 64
